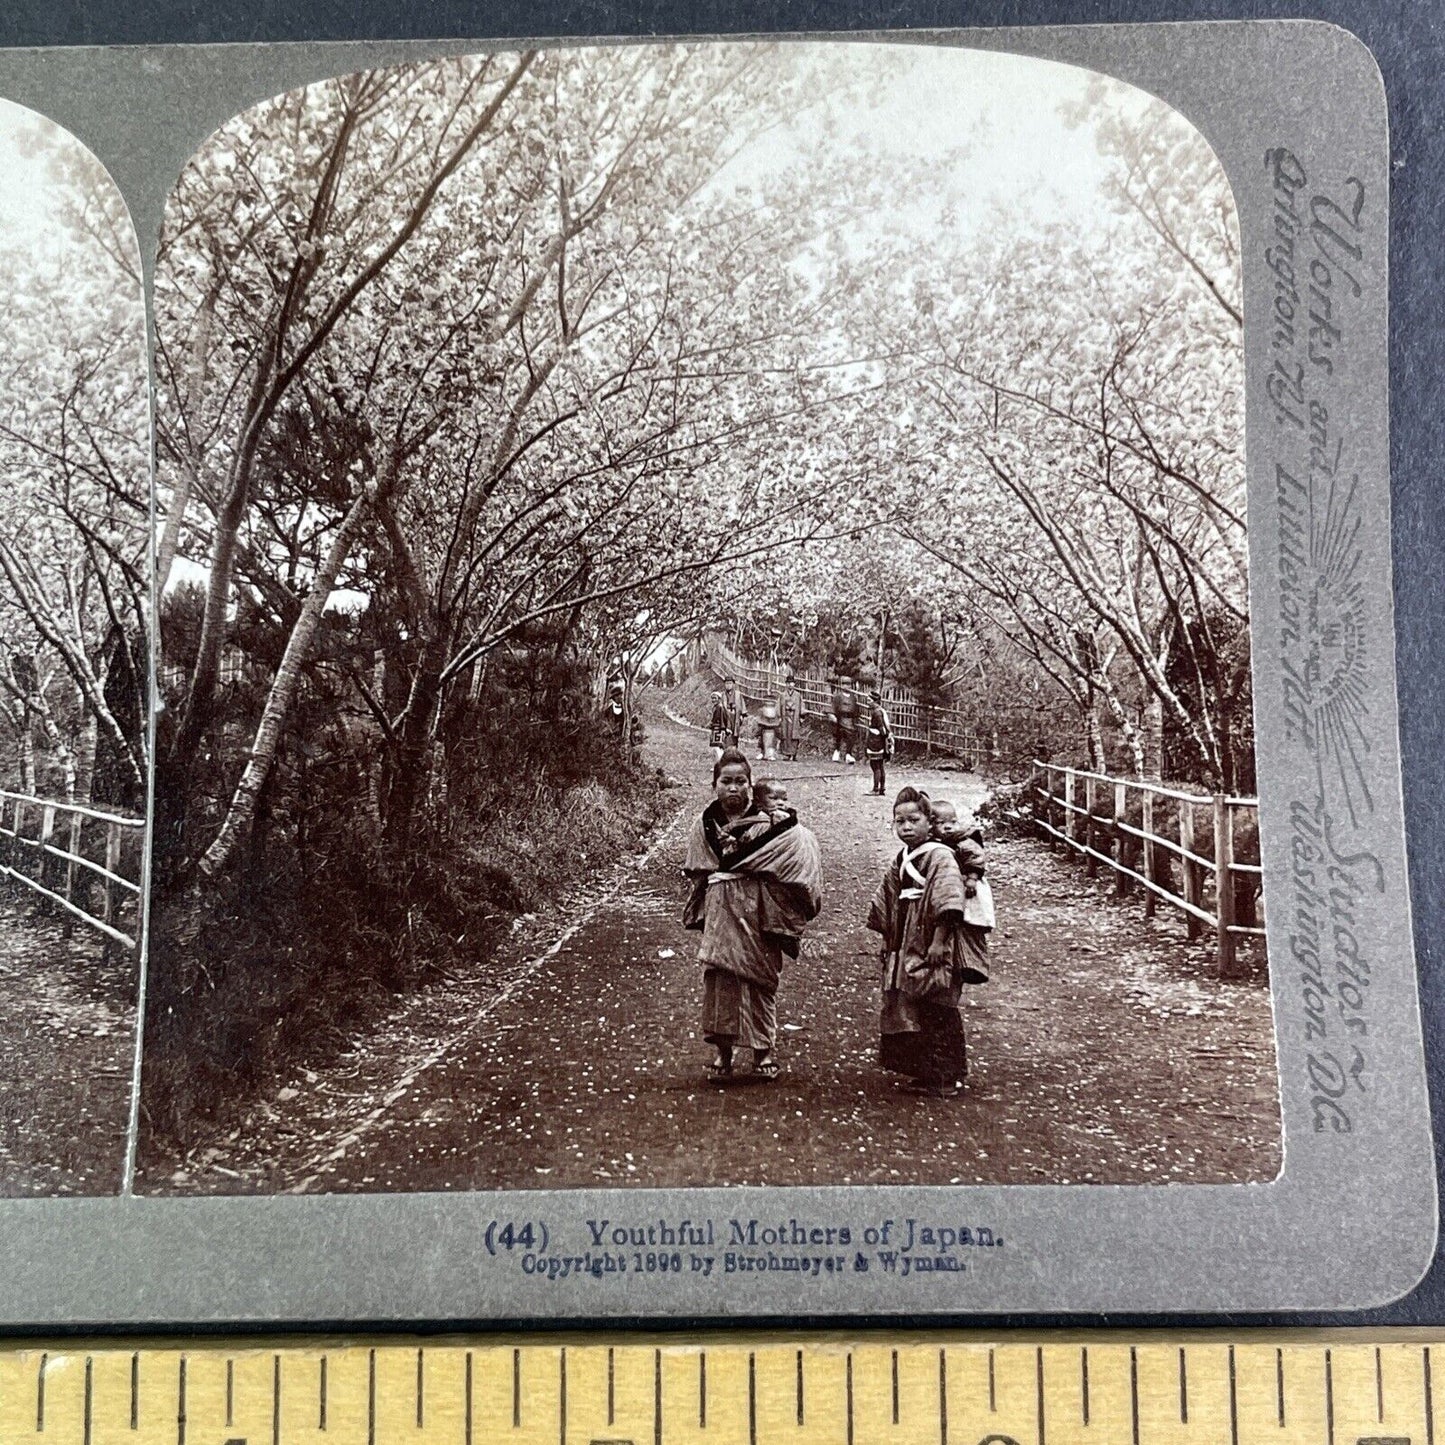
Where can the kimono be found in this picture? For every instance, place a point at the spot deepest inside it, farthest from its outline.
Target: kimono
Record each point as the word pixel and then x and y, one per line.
pixel 921 1029
pixel 751 898
pixel 845 717
pixel 792 721
pixel 878 737
pixel 735 719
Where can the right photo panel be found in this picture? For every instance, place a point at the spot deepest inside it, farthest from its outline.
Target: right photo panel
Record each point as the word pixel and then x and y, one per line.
pixel 704 634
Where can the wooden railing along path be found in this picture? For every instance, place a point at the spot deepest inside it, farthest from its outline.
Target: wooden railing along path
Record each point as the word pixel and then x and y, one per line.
pixel 940 729
pixel 86 861
pixel 1149 834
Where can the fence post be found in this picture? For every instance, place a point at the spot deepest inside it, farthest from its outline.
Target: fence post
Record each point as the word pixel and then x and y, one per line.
pixel 14 846
pixel 47 832
pixel 1151 863
pixel 1193 883
pixel 112 865
pixel 1123 849
pixel 1224 885
pixel 1070 827
pixel 72 847
pixel 1091 866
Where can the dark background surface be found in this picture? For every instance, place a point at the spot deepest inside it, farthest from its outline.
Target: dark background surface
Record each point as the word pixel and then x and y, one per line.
pixel 1408 40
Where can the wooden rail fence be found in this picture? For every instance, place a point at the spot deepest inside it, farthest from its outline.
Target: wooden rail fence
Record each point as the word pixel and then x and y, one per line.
pixel 1149 835
pixel 86 861
pixel 939 729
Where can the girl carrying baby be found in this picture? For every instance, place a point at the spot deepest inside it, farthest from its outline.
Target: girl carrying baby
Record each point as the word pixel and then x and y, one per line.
pixel 919 912
pixel 756 884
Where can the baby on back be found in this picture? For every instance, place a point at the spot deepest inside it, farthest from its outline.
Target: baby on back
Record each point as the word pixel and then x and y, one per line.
pixel 962 834
pixel 769 815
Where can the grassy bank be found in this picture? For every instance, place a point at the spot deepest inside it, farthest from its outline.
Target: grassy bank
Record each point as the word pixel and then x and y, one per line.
pixel 249 978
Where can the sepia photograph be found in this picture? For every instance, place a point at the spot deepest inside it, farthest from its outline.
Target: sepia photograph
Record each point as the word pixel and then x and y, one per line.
pixel 703 635
pixel 74 665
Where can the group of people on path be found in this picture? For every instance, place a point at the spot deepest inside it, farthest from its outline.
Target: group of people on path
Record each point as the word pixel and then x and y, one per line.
pixel 757 882
pixel 869 733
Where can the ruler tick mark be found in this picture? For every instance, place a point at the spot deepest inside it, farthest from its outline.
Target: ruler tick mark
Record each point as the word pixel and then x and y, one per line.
pixel 848 1396
pixel 1183 1388
pixel 1233 1401
pixel 1084 1382
pixel 800 1388
pixel 895 1387
pixel 1379 1388
pixel 89 1398
pixel 943 1397
pixel 181 1402
pixel 467 1400
pixel 1429 1402
pixel 230 1393
pixel 371 1397
pixel 1039 1389
pixel 420 1392
pixel 40 1395
pixel 516 1389
pixel 992 1395
pixel 275 1400
pixel 1329 1400
pixel 561 1396
pixel 657 1397
pixel 1279 1384
pixel 135 1392
pixel 702 1391
pixel 321 1397
pixel 611 1388
pixel 752 1400
pixel 1134 1395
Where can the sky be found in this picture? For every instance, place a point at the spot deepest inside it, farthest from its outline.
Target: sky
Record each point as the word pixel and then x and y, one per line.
pixel 27 191
pixel 987 125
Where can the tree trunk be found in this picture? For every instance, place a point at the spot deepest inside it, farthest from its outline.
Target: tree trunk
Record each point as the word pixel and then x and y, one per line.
pixel 413 767
pixel 27 750
pixel 85 763
pixel 188 467
pixel 287 680
pixel 1095 737
pixel 1154 739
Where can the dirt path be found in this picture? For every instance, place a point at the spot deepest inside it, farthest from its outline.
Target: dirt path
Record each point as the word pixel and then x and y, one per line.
pixel 66 1038
pixel 1102 1051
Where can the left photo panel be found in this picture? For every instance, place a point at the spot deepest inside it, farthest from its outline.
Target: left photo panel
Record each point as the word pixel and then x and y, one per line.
pixel 74 662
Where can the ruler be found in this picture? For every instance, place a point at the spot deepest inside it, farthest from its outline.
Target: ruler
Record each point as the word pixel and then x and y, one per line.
pixel 1102 1389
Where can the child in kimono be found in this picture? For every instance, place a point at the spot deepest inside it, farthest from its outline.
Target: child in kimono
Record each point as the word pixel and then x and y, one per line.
pixel 918 911
pixel 717 728
pixel 878 742
pixel 964 836
pixel 751 900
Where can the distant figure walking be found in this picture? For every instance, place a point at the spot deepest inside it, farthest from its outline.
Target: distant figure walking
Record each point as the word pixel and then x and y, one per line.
pixel 717 727
pixel 845 714
pixel 790 703
pixel 735 715
pixel 878 742
pixel 757 881
pixel 919 911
